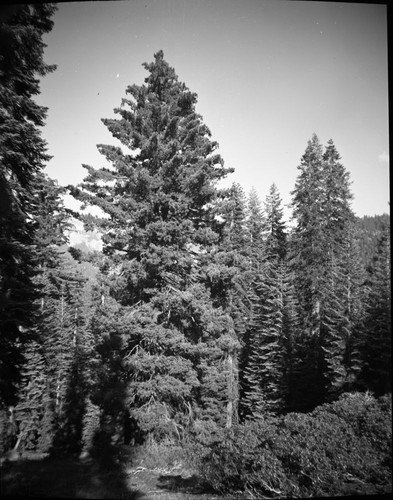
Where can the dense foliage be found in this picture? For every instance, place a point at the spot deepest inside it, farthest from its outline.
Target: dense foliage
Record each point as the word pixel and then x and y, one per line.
pixel 22 157
pixel 337 446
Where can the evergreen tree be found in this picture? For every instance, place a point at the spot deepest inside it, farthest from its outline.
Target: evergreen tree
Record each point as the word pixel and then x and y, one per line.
pixel 264 369
pixel 274 227
pixel 367 231
pixel 338 217
pixel 319 255
pixel 53 352
pixel 161 336
pixel 229 278
pixel 22 156
pixel 376 351
pixel 255 226
pixel 307 237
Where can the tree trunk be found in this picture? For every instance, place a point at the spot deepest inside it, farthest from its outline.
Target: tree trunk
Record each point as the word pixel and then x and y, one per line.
pixel 232 390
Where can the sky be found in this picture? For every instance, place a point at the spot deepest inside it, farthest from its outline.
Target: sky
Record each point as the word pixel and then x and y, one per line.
pixel 268 74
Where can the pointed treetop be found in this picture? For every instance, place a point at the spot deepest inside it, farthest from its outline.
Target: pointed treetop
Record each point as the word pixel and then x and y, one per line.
pixel 331 154
pixel 162 76
pixel 313 154
pixel 254 203
pixel 273 202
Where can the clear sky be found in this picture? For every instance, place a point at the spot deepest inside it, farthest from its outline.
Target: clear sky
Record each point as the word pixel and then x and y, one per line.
pixel 268 73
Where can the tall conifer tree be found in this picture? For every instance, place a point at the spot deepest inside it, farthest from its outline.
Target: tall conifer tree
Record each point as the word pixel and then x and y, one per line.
pixel 319 251
pixel 377 347
pixel 22 156
pixel 163 332
pixel 263 377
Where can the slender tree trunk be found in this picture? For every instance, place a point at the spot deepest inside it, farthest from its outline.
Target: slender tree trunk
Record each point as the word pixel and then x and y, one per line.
pixel 58 387
pixel 232 390
pixel 75 327
pixel 62 306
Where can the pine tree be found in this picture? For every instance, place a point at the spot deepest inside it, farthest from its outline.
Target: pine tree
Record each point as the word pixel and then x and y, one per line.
pixel 22 156
pixel 162 339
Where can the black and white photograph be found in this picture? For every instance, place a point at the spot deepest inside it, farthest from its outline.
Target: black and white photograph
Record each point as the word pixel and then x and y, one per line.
pixel 195 275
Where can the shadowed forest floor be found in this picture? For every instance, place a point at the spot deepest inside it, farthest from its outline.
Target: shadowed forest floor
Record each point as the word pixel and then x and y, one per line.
pixel 70 478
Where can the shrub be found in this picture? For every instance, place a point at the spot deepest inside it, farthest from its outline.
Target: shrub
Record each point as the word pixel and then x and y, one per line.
pixel 370 418
pixel 241 459
pixel 320 452
pixel 313 454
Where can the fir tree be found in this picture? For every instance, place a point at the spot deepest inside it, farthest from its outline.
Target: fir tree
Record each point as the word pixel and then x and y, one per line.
pixel 231 271
pixel 368 230
pixel 53 389
pixel 274 227
pixel 263 377
pixel 376 349
pixel 255 225
pixel 22 156
pixel 162 338
pixel 320 242
pixel 338 218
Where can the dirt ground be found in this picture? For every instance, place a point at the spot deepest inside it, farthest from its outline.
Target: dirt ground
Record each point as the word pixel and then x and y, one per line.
pixel 67 478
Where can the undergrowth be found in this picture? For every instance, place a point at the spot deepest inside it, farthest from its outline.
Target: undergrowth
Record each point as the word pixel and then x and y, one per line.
pixel 301 455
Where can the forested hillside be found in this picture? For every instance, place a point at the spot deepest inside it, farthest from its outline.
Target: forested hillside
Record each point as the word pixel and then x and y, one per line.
pixel 204 318
pixel 368 232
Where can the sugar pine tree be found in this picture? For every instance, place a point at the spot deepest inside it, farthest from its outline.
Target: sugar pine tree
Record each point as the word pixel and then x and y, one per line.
pixel 160 332
pixel 22 156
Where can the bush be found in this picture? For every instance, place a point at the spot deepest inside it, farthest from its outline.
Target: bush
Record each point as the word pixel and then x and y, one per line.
pixel 315 454
pixel 241 459
pixel 370 418
pixel 321 452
